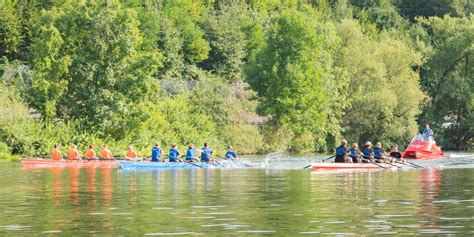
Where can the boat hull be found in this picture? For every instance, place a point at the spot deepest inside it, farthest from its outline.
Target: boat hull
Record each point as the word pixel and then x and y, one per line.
pixel 423 150
pixel 166 165
pixel 349 166
pixel 41 163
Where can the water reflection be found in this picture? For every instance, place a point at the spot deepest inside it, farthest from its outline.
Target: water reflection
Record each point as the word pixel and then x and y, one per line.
pixel 98 201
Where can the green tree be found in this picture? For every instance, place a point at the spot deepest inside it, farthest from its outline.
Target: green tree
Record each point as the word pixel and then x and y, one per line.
pixel 287 78
pixel 90 64
pixel 447 78
pixel 384 92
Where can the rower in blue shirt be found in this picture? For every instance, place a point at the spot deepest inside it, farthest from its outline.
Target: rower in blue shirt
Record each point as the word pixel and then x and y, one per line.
pixel 231 155
pixel 206 153
pixel 174 153
pixel 427 132
pixel 156 153
pixel 191 153
pixel 379 153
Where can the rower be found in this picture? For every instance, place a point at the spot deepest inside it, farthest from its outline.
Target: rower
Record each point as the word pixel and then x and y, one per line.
pixel 341 152
pixel 56 154
pixel 90 154
pixel 131 154
pixel 379 153
pixel 174 153
pixel 428 133
pixel 395 155
pixel 105 153
pixel 73 154
pixel 206 153
pixel 231 155
pixel 156 153
pixel 354 153
pixel 367 152
pixel 191 153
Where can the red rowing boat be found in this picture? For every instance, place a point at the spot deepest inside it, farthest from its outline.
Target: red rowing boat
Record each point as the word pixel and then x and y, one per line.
pixel 41 163
pixel 347 166
pixel 425 148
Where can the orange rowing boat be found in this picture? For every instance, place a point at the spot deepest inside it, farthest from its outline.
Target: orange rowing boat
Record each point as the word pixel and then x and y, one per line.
pixel 42 163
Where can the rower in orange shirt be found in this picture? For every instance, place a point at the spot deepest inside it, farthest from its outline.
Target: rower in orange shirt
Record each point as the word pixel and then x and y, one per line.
pixel 90 153
pixel 131 154
pixel 105 153
pixel 56 154
pixel 73 154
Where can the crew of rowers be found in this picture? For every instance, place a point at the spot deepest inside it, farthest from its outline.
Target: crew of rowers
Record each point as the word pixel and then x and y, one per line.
pixel 368 154
pixel 192 154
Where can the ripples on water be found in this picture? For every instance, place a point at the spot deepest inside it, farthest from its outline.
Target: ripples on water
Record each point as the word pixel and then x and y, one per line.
pixel 281 199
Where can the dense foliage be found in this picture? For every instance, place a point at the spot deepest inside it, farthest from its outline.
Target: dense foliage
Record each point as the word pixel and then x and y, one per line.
pixel 261 75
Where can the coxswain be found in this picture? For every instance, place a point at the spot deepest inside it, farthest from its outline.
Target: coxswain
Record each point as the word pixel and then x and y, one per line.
pixel 368 152
pixel 56 154
pixel 206 153
pixel 395 155
pixel 230 154
pixel 191 153
pixel 105 153
pixel 73 154
pixel 90 154
pixel 341 152
pixel 131 154
pixel 174 153
pixel 156 153
pixel 354 153
pixel 379 153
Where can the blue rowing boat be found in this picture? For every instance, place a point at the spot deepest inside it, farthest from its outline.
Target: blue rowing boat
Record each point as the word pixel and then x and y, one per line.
pixel 166 165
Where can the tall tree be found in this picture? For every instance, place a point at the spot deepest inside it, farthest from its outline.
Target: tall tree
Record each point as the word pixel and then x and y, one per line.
pixel 447 77
pixel 287 77
pixel 90 63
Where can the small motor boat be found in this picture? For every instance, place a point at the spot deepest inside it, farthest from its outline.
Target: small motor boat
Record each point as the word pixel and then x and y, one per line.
pixel 423 147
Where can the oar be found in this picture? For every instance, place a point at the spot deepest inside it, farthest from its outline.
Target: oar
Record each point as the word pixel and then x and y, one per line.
pixel 325 159
pixel 414 165
pixel 309 164
pixel 375 163
pixel 236 161
pixel 191 163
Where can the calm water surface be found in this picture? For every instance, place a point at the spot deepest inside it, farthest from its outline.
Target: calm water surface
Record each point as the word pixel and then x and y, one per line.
pixel 272 201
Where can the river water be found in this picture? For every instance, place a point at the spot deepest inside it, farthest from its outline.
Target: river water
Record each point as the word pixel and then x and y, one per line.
pixel 282 199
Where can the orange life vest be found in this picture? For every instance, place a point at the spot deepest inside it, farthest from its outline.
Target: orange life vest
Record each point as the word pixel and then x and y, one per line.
pixel 105 154
pixel 131 154
pixel 90 154
pixel 56 154
pixel 73 154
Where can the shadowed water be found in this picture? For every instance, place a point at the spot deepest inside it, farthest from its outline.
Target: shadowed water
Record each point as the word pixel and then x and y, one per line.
pixel 272 201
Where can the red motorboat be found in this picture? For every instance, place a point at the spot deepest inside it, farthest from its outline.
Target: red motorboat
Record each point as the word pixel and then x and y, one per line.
pixel 41 163
pixel 423 147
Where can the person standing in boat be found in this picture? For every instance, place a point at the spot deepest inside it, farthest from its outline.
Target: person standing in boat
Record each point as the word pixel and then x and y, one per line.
pixel 395 155
pixel 206 153
pixel 354 153
pixel 174 154
pixel 56 154
pixel 105 153
pixel 368 152
pixel 230 154
pixel 191 153
pixel 379 153
pixel 156 153
pixel 341 152
pixel 428 132
pixel 131 154
pixel 73 154
pixel 90 154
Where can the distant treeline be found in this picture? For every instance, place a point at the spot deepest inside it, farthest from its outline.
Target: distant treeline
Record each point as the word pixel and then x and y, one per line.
pixel 262 75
